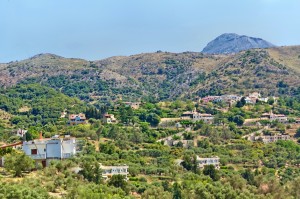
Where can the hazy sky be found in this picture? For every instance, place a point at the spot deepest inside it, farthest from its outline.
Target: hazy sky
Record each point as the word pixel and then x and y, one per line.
pixel 95 29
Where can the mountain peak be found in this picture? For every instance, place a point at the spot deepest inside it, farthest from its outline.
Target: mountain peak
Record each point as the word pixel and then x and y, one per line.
pixel 228 43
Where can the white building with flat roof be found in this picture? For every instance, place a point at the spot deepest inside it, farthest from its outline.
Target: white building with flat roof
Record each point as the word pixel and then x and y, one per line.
pixel 45 150
pixel 109 171
pixel 269 138
pixel 208 161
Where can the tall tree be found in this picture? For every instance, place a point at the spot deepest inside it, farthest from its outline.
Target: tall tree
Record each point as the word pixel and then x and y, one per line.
pixel 18 162
pixel 211 171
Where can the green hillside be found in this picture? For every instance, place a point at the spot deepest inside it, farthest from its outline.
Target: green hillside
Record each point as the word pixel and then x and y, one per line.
pixel 33 104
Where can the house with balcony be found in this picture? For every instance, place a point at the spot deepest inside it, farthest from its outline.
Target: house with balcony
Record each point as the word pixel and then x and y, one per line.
pixel 208 161
pixel 45 150
pixel 75 119
pixel 109 171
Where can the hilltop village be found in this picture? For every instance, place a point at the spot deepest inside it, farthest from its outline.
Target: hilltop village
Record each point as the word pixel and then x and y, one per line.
pixel 142 149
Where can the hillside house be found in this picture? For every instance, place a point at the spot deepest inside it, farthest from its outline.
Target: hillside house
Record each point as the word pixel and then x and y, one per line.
pixel 188 115
pixel 269 138
pixel 274 117
pixel 208 161
pixel 109 171
pixel 75 119
pixel 207 118
pixel 229 98
pixel 45 150
pixel 250 100
pixel 195 116
pixel 109 118
pixel 263 99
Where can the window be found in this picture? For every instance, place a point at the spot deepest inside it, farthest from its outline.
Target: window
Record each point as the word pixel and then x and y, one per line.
pixel 33 151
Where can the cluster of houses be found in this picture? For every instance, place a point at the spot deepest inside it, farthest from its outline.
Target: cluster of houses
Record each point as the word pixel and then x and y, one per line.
pixel 252 98
pixel 80 118
pixel 75 119
pixel 223 98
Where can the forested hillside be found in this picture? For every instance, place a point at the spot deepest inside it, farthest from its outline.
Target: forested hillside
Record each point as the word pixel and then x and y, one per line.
pixel 34 105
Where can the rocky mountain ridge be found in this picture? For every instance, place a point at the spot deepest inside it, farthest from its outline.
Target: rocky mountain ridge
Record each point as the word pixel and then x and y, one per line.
pixel 233 43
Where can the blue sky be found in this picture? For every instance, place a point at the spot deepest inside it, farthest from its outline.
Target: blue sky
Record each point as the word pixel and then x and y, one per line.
pixel 96 29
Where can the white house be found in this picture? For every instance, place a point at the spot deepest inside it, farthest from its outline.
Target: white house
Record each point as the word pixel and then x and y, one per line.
pixel 109 171
pixel 45 150
pixel 208 161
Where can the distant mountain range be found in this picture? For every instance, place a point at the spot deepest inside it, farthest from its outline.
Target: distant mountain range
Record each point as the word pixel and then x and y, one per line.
pixel 232 43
